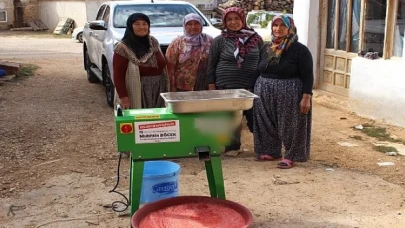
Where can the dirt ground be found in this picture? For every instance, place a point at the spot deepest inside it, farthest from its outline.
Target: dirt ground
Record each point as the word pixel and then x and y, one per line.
pixel 58 158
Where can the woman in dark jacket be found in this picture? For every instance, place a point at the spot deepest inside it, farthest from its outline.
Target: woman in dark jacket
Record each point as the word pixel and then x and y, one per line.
pixel 282 115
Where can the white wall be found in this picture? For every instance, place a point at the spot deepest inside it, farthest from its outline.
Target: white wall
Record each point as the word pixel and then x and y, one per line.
pixel 50 12
pixel 306 18
pixel 92 7
pixel 377 89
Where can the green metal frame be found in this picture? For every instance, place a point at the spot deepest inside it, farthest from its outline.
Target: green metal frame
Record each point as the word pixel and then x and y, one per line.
pixel 214 176
pixel 192 135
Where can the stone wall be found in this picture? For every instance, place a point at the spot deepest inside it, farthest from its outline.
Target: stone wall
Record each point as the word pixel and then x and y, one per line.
pixel 268 5
pixel 30 10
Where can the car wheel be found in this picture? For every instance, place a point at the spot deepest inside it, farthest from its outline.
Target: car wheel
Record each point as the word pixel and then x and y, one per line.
pixel 109 86
pixel 80 37
pixel 90 76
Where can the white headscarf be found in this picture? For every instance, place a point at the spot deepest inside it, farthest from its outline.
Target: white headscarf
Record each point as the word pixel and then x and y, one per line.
pixel 196 41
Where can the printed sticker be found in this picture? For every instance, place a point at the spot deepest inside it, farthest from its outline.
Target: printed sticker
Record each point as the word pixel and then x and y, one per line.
pixel 157 131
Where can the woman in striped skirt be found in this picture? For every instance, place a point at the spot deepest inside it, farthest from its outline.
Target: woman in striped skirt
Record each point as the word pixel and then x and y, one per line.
pixel 283 114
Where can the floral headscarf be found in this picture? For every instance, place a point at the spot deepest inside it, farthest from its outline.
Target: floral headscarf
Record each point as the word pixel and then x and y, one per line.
pixel 245 39
pixel 279 44
pixel 196 41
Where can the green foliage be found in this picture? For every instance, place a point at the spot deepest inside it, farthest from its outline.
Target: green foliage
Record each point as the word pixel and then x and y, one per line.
pixel 385 149
pixel 264 24
pixel 251 18
pixel 26 70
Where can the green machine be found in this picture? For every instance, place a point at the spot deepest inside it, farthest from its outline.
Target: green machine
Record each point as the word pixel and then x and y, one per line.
pixel 193 124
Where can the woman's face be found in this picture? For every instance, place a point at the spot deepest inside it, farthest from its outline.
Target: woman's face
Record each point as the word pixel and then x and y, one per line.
pixel 193 28
pixel 140 27
pixel 279 28
pixel 233 22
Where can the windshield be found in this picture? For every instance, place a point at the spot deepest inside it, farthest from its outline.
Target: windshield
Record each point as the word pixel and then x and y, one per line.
pixel 160 15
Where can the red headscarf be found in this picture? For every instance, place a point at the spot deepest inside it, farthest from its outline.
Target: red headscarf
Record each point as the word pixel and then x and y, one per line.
pixel 245 39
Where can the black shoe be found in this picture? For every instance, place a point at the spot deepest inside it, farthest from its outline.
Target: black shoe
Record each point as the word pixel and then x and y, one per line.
pixel 232 147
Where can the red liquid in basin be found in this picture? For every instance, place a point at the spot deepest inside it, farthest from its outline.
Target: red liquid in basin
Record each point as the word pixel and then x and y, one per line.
pixel 192 212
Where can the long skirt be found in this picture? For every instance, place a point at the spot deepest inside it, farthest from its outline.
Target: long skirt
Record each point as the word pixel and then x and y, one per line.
pixel 152 86
pixel 277 120
pixel 200 81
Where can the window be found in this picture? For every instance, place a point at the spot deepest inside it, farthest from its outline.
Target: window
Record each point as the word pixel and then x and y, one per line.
pixel 3 16
pixel 100 13
pixel 330 40
pixel 374 26
pixel 355 33
pixel 399 29
pixel 343 30
pixel 106 16
pixel 367 26
pixel 160 15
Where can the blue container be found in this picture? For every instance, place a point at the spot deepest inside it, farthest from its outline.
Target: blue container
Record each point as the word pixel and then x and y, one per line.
pixel 160 181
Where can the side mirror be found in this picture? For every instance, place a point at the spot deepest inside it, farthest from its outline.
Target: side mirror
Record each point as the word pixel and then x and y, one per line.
pixel 97 25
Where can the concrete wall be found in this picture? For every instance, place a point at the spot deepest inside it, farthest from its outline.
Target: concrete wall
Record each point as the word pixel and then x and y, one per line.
pixel 306 18
pixel 9 8
pixel 50 12
pixel 92 7
pixel 377 89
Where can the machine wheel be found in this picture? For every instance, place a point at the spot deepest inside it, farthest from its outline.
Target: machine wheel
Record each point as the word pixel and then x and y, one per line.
pixel 109 86
pixel 80 37
pixel 90 76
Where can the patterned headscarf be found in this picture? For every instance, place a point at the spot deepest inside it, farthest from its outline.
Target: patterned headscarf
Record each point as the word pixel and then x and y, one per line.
pixel 245 39
pixel 196 41
pixel 279 44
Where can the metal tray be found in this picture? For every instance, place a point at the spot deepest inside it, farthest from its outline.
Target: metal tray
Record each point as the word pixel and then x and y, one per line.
pixel 209 100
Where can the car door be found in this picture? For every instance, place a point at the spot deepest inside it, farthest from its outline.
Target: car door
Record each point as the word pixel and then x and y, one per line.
pixel 100 36
pixel 93 39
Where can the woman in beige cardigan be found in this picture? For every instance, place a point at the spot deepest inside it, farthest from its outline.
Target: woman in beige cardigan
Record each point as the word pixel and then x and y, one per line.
pixel 139 67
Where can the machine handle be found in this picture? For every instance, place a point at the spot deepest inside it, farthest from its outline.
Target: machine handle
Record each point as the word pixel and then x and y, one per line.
pixel 119 110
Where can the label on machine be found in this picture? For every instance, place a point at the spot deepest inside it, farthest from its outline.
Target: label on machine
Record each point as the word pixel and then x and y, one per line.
pixel 157 131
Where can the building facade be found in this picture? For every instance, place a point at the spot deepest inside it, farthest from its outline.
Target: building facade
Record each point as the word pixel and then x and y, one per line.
pixel 336 31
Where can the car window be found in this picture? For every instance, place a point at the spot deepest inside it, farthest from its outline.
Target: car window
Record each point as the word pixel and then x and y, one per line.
pixel 160 15
pixel 106 16
pixel 100 12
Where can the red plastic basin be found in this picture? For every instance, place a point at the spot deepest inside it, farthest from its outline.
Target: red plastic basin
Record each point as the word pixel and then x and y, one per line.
pixel 144 211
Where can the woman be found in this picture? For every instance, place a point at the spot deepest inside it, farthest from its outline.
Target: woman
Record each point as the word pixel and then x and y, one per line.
pixel 139 66
pixel 187 56
pixel 282 115
pixel 233 60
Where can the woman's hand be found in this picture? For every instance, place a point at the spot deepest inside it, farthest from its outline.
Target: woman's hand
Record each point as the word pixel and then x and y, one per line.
pixel 211 87
pixel 124 102
pixel 305 104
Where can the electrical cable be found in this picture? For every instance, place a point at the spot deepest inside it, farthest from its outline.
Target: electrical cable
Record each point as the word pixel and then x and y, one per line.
pixel 114 204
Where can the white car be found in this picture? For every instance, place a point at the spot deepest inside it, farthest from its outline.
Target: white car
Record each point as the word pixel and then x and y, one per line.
pixel 77 34
pixel 257 18
pixel 100 35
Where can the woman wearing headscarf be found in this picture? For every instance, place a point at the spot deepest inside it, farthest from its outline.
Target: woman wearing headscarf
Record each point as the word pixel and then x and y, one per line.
pixel 187 56
pixel 283 114
pixel 233 60
pixel 139 66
